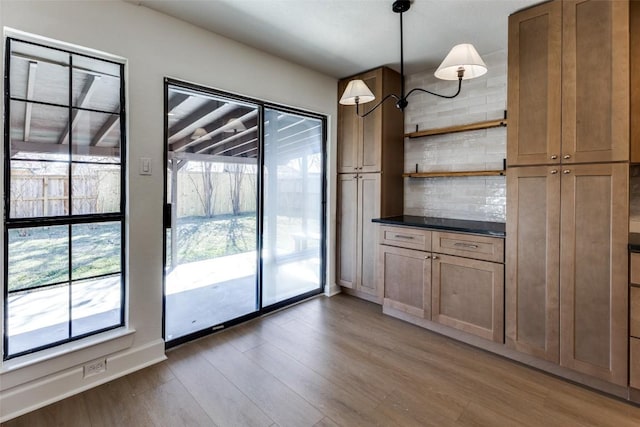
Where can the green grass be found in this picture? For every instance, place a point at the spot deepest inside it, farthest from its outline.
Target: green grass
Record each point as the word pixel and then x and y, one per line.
pixel 39 256
pixel 202 238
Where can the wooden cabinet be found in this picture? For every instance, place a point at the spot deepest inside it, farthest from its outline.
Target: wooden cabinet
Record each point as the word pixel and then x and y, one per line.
pixel 594 270
pixel 569 83
pixel 411 238
pixel 359 200
pixel 574 270
pixel 634 321
pixel 567 223
pixel 535 86
pixel 595 81
pixel 634 352
pixel 365 144
pixel 429 282
pixel 532 261
pixel 469 246
pixel 404 260
pixel 361 139
pixel 405 275
pixel 468 294
pixel 370 183
pixel 634 307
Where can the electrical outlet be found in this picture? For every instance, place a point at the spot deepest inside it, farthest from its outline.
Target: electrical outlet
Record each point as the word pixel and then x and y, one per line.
pixel 95 367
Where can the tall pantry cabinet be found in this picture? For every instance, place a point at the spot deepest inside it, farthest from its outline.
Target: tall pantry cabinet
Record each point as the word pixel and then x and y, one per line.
pixel 567 185
pixel 370 166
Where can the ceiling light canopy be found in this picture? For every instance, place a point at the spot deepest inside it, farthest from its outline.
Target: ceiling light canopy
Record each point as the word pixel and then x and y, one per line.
pixel 462 63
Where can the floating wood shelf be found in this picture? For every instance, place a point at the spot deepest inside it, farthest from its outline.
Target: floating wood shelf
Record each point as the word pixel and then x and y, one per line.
pixel 459 128
pixel 453 174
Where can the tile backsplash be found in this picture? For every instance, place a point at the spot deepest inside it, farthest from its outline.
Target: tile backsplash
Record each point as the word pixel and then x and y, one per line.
pixel 484 98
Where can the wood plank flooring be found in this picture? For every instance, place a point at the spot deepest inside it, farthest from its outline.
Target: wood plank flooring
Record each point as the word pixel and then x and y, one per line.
pixel 334 362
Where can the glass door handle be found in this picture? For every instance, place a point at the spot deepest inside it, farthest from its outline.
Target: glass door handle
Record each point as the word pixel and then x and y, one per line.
pixel 167 215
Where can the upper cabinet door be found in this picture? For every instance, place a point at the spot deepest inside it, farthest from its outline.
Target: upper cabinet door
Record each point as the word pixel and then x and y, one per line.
pixel 348 134
pixel 595 90
pixel 360 139
pixel 370 140
pixel 534 80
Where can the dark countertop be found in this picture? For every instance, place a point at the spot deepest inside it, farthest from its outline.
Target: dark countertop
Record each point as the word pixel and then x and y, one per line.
pixel 496 229
pixel 634 242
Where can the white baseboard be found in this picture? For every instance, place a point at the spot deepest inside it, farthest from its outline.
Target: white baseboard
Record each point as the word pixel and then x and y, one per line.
pixel 41 392
pixel 331 290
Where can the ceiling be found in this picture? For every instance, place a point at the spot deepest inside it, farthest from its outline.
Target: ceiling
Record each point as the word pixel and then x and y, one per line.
pixel 344 37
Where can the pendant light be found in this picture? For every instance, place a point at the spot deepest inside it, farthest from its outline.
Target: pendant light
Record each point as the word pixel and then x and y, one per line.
pixel 461 63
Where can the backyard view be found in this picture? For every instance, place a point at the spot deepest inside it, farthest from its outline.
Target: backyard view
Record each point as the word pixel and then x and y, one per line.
pixel 211 267
pixel 231 213
pixel 63 280
pixel 238 199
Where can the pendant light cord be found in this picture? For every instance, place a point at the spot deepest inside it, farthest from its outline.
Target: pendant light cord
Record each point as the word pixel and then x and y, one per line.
pixel 402 97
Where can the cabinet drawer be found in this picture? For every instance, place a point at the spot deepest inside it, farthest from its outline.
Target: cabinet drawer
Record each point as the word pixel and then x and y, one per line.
pixel 634 363
pixel 411 238
pixel 469 246
pixel 635 268
pixel 634 326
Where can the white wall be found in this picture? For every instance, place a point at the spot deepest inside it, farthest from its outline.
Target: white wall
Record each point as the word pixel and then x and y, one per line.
pixel 155 46
pixel 484 98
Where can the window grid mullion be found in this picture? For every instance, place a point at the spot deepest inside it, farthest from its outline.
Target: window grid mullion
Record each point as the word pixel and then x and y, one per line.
pixel 53 104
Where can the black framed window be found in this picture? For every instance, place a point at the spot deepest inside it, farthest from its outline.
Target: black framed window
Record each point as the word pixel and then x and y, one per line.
pixel 64 196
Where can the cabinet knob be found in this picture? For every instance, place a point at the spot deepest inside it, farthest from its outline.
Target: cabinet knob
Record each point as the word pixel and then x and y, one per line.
pixel 566 171
pixel 434 257
pixel 554 171
pixel 553 157
pixel 566 156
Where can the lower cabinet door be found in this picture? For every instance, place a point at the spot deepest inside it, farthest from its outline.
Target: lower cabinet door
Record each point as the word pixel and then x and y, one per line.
pixel 468 295
pixel 347 234
pixel 634 363
pixel 367 234
pixel 594 270
pixel 406 274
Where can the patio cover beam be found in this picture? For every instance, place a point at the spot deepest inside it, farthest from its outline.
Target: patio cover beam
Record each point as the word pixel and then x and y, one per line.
pixel 31 85
pixel 87 90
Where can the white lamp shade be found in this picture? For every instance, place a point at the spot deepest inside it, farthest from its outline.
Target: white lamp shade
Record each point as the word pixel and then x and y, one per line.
pixel 200 133
pixel 356 90
pixel 234 125
pixel 462 56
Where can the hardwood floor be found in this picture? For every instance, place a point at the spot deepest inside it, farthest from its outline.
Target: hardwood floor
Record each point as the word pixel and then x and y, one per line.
pixel 334 362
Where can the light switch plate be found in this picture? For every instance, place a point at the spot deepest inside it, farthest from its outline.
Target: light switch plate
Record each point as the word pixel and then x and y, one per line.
pixel 144 167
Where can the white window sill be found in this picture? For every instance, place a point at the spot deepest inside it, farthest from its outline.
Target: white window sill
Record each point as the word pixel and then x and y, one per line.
pixel 46 362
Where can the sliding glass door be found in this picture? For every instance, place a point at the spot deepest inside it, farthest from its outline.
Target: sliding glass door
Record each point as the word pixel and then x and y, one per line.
pixel 212 188
pixel 293 205
pixel 244 209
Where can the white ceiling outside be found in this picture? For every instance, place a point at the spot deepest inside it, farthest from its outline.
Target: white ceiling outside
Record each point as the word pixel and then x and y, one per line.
pixel 344 37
